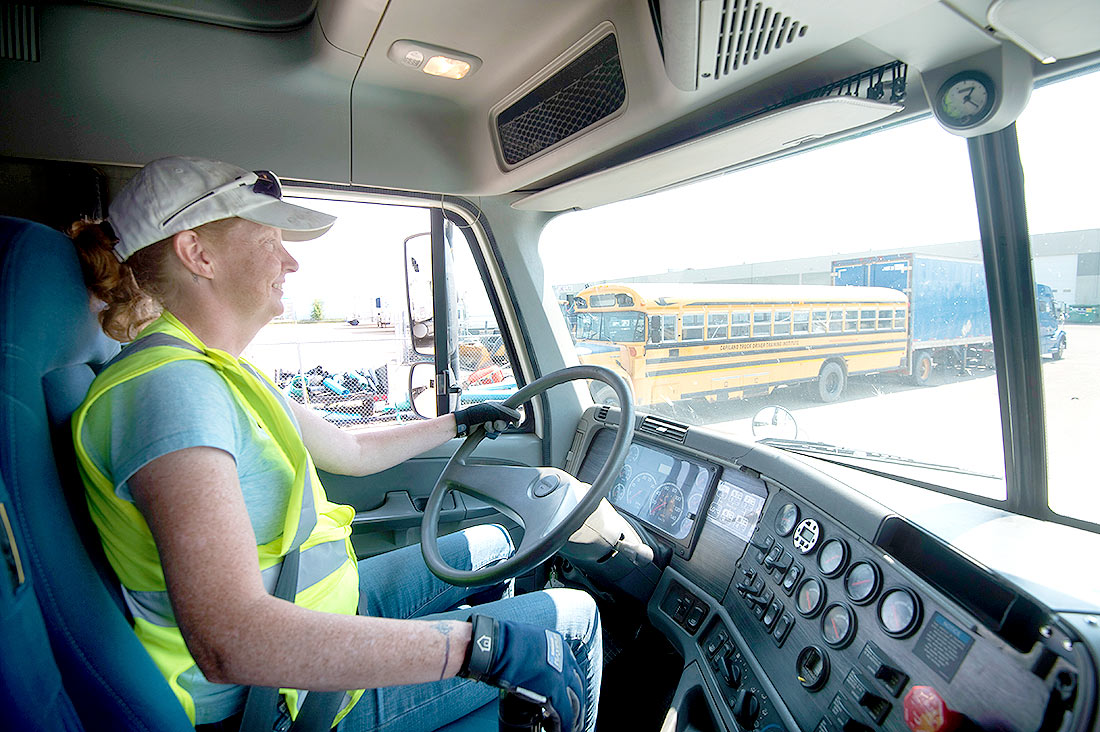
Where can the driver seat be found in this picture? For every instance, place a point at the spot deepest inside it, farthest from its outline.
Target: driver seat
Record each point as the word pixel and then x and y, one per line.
pixel 51 348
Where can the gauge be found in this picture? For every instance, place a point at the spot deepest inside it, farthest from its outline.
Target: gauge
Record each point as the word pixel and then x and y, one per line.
pixel 806 535
pixel 966 99
pixel 862 582
pixel 635 451
pixel 813 667
pixel 899 612
pixel 811 597
pixel 833 557
pixel 694 500
pixel 667 505
pixel 786 519
pixel 626 473
pixel 838 625
pixel 639 489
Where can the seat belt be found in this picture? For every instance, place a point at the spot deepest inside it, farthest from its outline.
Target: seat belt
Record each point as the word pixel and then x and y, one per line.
pixel 319 707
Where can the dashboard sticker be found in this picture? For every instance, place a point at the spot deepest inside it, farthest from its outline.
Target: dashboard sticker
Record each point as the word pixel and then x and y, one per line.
pixel 738 503
pixel 943 646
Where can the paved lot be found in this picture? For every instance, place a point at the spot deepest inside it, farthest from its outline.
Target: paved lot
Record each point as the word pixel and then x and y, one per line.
pixel 953 421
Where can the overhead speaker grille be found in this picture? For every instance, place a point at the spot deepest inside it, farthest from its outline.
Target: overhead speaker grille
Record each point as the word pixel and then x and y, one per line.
pixel 18 32
pixel 748 30
pixel 587 90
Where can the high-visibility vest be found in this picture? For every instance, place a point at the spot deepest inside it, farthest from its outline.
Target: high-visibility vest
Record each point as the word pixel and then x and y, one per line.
pixel 328 578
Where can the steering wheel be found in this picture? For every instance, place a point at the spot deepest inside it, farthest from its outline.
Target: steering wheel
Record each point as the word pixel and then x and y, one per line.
pixel 549 503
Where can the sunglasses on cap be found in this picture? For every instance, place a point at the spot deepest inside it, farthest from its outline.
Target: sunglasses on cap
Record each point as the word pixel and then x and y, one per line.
pixel 263 182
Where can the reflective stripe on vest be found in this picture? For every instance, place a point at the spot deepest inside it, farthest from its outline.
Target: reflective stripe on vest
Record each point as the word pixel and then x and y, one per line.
pixel 328 578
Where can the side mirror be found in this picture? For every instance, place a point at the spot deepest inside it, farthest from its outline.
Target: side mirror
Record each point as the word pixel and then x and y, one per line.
pixel 655 329
pixel 422 390
pixel 774 422
pixel 418 293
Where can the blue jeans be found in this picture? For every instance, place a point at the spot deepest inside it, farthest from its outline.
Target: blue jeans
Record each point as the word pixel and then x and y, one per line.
pixel 398 585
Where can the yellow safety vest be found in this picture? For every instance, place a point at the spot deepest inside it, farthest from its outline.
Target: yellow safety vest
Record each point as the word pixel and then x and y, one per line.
pixel 328 578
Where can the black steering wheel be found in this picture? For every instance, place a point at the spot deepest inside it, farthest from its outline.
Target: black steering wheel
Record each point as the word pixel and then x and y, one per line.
pixel 549 503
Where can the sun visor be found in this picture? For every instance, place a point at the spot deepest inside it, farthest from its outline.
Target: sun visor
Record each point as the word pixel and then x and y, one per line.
pixel 754 138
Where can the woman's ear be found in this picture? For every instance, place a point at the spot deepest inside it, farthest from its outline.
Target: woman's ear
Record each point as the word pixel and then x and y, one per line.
pixel 193 254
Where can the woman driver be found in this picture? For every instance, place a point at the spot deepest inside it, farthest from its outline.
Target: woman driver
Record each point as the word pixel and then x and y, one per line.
pixel 201 477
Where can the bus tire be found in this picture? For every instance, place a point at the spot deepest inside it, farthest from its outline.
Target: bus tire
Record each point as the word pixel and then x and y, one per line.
pixel 604 394
pixel 922 368
pixel 1059 353
pixel 831 381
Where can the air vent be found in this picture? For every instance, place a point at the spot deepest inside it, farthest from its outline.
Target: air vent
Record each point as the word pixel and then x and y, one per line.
pixel 602 414
pixel 18 32
pixel 587 90
pixel 746 31
pixel 664 428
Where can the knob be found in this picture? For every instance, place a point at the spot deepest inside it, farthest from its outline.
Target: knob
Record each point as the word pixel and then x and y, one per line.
pixel 746 708
pixel 731 672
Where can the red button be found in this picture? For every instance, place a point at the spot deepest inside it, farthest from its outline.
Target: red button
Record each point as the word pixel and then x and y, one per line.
pixel 925 711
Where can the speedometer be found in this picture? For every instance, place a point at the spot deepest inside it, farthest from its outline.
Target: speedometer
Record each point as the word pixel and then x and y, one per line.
pixel 666 508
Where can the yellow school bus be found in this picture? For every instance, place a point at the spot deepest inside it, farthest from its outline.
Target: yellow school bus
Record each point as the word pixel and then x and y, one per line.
pixel 712 341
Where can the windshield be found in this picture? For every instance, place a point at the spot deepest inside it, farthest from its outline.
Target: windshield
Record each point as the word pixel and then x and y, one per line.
pixel 617 327
pixel 844 284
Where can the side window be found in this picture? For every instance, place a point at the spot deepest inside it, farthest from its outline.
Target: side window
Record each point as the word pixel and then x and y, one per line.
pixel 851 320
pixel 691 327
pixel 836 320
pixel 343 345
pixel 484 368
pixel 761 323
pixel 668 327
pixel 739 324
pixel 717 325
pixel 782 322
pixel 866 319
pixel 819 320
pixel 800 323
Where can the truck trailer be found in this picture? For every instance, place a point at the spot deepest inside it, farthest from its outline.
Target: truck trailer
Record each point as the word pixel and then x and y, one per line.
pixel 948 308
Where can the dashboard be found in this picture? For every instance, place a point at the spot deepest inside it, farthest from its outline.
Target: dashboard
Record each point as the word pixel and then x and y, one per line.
pixel 800 604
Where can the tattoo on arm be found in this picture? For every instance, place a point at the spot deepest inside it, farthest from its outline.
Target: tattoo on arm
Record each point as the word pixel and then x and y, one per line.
pixel 444 629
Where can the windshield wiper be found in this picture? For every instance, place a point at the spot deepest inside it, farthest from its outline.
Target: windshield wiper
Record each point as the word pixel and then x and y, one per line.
pixel 825 448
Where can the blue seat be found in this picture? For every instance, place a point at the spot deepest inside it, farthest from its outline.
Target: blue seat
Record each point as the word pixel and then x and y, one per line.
pixel 51 347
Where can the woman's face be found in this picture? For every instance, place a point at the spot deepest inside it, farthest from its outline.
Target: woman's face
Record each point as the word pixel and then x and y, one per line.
pixel 250 266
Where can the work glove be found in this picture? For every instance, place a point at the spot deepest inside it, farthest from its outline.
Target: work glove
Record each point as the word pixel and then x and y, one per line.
pixel 531 662
pixel 495 418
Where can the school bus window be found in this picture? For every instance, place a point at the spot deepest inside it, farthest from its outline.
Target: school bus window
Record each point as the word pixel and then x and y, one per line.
pixel 761 323
pixel 691 327
pixel 836 319
pixel 606 300
pixel 866 319
pixel 885 319
pixel 801 321
pixel 819 320
pixel 624 301
pixel 782 322
pixel 668 327
pixel 851 320
pixel 899 318
pixel 739 324
pixel 717 325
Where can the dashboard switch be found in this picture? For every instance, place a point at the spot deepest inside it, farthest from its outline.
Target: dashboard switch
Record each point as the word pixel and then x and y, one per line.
pixel 925 711
pixel 695 618
pixel 746 708
pixel 731 672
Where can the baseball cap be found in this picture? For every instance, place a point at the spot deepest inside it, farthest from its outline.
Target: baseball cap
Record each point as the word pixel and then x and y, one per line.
pixel 175 194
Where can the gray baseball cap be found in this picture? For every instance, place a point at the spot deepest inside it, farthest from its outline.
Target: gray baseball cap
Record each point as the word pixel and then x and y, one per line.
pixel 175 194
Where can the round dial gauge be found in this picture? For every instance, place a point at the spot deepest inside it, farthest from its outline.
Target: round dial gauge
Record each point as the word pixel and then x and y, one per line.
pixel 667 505
pixel 811 597
pixel 618 491
pixel 862 582
pixel 635 451
pixel 838 625
pixel 786 519
pixel 833 557
pixel 966 99
pixel 639 489
pixel 899 612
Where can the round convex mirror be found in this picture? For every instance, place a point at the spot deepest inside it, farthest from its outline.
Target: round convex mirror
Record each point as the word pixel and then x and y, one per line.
pixel 774 421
